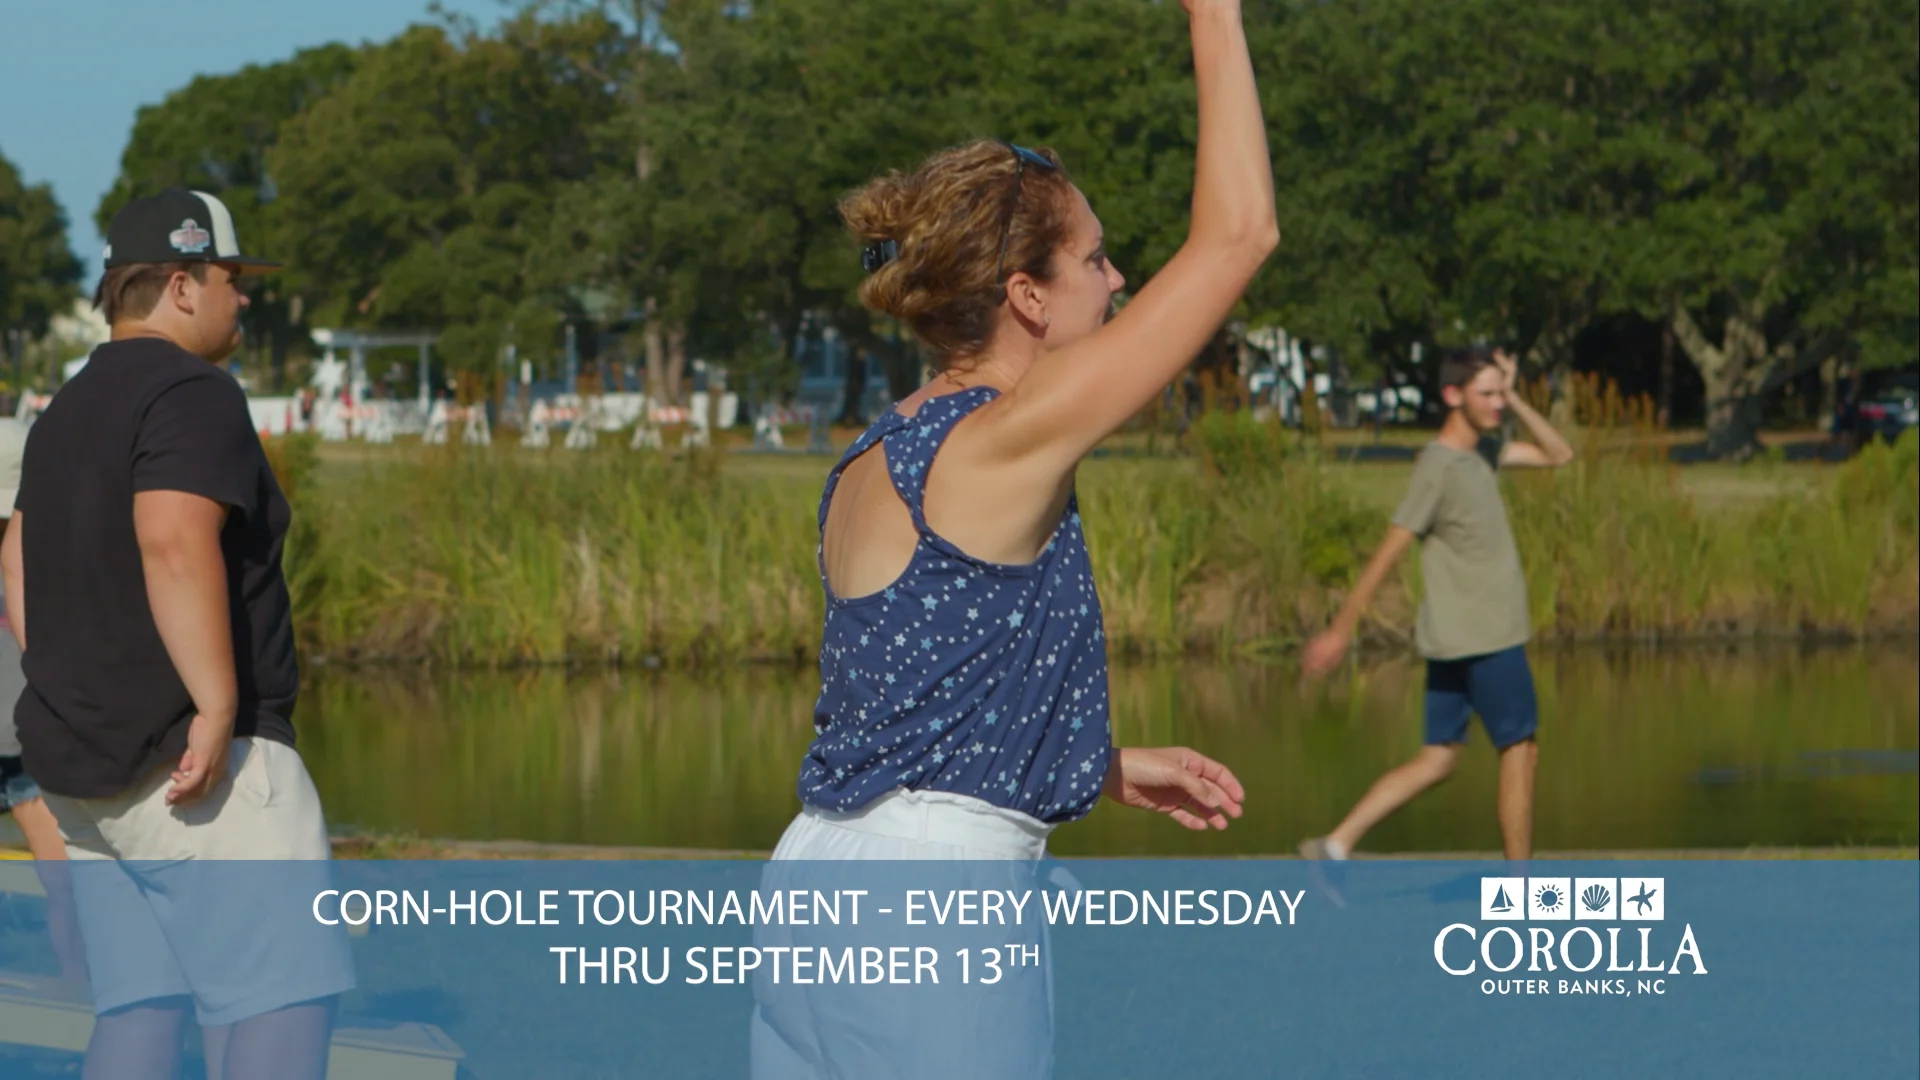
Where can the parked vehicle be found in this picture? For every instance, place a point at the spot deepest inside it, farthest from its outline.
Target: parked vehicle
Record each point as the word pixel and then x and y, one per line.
pixel 1890 412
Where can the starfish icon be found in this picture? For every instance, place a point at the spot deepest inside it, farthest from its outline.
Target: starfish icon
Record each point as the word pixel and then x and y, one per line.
pixel 1644 898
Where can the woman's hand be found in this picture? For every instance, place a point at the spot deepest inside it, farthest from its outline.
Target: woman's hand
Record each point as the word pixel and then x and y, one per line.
pixel 1190 787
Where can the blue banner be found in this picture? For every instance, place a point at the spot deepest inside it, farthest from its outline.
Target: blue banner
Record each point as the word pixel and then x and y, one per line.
pixel 1065 969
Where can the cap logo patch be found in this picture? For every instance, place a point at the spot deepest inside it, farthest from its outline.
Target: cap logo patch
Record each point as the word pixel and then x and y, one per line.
pixel 190 237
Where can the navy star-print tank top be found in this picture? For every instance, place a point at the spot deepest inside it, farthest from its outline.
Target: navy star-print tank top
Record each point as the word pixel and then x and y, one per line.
pixel 963 676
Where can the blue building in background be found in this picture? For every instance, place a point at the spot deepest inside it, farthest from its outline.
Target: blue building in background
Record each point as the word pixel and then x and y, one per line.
pixel 824 357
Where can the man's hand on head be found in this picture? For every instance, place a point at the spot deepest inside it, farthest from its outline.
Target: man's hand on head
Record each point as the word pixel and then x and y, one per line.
pixel 1509 368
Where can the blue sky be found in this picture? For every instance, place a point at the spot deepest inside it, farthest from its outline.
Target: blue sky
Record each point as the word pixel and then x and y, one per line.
pixel 74 72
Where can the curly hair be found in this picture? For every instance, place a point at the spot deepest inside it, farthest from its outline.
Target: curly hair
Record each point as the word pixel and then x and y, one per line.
pixel 946 217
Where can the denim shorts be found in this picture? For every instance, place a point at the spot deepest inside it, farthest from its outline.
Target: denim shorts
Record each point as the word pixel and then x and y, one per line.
pixel 1498 687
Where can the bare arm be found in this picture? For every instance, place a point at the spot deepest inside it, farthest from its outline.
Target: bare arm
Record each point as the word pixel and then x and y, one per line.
pixel 179 537
pixel 1549 448
pixel 1396 543
pixel 1326 649
pixel 15 577
pixel 187 588
pixel 1076 396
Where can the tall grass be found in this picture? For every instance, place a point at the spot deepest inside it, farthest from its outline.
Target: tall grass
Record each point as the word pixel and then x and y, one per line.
pixel 501 556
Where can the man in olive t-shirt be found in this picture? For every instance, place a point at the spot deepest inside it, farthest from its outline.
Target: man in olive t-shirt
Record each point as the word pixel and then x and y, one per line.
pixel 1472 626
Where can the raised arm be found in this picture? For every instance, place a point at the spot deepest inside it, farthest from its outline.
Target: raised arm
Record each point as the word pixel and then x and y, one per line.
pixel 1549 448
pixel 1078 395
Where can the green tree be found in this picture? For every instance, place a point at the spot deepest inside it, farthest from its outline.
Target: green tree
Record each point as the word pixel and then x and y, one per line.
pixel 754 121
pixel 1789 170
pixel 420 192
pixel 1741 172
pixel 1493 169
pixel 38 271
pixel 1441 175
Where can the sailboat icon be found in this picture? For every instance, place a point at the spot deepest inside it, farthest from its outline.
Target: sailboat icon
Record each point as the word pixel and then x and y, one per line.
pixel 1501 898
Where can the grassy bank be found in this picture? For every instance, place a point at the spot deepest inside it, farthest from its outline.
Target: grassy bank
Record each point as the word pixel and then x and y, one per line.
pixel 507 556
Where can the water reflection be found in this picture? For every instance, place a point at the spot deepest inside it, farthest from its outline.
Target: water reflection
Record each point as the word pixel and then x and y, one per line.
pixel 1667 749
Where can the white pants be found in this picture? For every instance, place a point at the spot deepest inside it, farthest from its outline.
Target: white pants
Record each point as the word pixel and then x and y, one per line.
pixel 996 1026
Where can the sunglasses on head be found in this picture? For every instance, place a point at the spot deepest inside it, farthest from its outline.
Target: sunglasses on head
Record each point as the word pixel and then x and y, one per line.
pixel 879 253
pixel 1022 157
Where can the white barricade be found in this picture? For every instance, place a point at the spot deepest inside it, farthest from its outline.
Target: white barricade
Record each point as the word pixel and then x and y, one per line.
pixel 436 434
pixel 276 415
pixel 477 432
pixel 697 432
pixel 766 430
pixel 538 420
pixel 584 432
pixel 646 429
pixel 379 425
pixel 31 405
pixel 336 419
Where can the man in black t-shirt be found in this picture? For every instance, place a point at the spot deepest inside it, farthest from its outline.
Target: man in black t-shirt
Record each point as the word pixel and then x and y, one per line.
pixel 157 717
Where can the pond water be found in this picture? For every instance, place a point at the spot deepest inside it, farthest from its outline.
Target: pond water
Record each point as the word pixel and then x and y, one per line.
pixel 1654 749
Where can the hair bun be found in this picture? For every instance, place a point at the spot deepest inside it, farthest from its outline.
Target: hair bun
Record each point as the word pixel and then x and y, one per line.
pixel 929 240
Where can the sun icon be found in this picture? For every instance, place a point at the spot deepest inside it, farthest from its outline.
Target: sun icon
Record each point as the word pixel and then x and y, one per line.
pixel 1549 899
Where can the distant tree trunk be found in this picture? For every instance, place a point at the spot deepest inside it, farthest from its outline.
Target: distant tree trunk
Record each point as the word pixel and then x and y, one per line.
pixel 1731 372
pixel 1665 416
pixel 904 367
pixel 1829 393
pixel 676 362
pixel 1733 423
pixel 1741 370
pixel 655 344
pixel 1310 419
pixel 855 386
pixel 503 377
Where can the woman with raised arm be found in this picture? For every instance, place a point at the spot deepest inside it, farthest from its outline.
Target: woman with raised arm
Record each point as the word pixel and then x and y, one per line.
pixel 963 702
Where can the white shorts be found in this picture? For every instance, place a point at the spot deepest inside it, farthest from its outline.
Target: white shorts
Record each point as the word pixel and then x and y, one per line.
pixel 949 1031
pixel 906 824
pixel 183 901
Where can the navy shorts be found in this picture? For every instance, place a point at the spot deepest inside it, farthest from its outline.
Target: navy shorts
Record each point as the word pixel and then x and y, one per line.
pixel 1496 686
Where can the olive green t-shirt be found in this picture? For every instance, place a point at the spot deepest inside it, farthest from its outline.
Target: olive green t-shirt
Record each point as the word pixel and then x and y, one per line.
pixel 1476 595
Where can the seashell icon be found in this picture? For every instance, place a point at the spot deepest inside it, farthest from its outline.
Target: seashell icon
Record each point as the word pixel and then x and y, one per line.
pixel 1596 897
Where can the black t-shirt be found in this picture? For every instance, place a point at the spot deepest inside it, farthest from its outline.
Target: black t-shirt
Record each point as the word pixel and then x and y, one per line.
pixel 103 705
